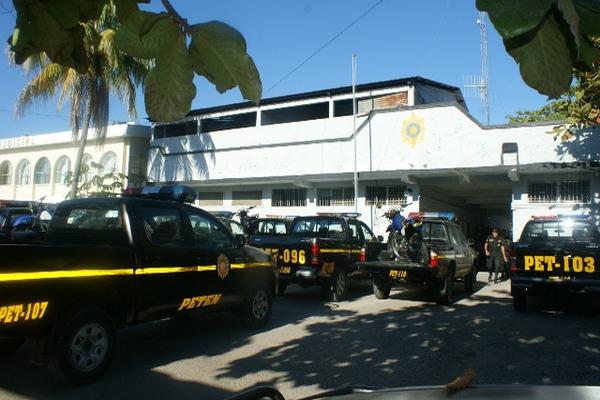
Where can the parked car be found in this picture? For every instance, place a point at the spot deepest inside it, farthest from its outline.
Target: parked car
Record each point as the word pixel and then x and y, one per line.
pixel 555 253
pixel 449 255
pixel 112 262
pixel 321 250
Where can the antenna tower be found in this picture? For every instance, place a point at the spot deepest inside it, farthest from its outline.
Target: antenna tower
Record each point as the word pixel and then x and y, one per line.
pixel 477 85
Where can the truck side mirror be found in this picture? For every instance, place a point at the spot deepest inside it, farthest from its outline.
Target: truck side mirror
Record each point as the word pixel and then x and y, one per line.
pixel 470 242
pixel 380 238
pixel 240 240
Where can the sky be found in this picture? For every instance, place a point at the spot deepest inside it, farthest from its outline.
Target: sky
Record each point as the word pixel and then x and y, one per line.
pixel 436 39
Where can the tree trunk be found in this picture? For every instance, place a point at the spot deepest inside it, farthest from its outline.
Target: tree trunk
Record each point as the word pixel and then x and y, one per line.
pixel 80 150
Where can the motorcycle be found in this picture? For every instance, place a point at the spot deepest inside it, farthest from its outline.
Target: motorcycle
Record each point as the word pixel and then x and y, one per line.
pixel 247 221
pixel 407 246
pixel 32 228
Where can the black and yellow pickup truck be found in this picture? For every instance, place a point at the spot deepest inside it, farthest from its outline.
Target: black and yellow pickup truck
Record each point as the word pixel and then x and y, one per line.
pixel 111 262
pixel 450 257
pixel 321 250
pixel 555 253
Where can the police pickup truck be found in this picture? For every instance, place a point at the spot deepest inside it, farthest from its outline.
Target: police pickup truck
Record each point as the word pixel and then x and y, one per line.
pixel 111 262
pixel 321 250
pixel 555 252
pixel 450 257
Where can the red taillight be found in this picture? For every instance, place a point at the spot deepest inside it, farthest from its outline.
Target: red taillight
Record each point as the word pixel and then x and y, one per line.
pixel 513 260
pixel 315 253
pixel 433 257
pixel 363 255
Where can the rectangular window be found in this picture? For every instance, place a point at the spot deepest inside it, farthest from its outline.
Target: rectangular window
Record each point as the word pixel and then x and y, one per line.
pixel 244 120
pixel 288 198
pixel 386 195
pixel 559 192
pixel 335 197
pixel 342 108
pixel 547 230
pixel 89 218
pixel 177 129
pixel 163 226
pixel 246 198
pixel 295 114
pixel 210 198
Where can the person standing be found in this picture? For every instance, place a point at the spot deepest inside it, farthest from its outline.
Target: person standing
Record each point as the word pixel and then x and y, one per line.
pixel 495 253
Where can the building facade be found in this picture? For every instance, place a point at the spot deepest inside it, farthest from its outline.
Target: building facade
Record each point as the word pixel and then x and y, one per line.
pixel 35 166
pixel 417 148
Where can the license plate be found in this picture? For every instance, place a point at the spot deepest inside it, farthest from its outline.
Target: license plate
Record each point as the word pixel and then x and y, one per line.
pixel 285 270
pixel 565 264
pixel 395 273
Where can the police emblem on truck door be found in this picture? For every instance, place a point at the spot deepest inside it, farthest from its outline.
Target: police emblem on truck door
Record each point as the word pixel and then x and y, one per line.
pixel 222 266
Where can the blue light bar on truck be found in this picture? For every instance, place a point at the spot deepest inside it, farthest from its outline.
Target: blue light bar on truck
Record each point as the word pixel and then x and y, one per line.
pixel 180 193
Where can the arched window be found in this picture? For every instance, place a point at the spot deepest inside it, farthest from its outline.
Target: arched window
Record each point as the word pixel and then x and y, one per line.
pixel 109 162
pixel 61 169
pixel 42 172
pixel 23 172
pixel 5 173
pixel 87 176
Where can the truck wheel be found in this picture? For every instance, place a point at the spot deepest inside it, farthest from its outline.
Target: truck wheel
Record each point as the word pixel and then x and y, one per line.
pixel 83 345
pixel 9 346
pixel 281 287
pixel 338 286
pixel 471 279
pixel 519 300
pixel 444 288
pixel 256 310
pixel 380 289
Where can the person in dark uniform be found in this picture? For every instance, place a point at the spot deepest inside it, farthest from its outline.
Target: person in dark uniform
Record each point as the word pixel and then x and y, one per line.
pixel 495 253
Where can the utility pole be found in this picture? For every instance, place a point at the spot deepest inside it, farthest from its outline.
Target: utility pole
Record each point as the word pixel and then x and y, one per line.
pixel 354 130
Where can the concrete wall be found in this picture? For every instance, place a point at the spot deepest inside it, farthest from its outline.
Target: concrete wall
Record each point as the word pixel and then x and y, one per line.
pixel 448 139
pixel 53 146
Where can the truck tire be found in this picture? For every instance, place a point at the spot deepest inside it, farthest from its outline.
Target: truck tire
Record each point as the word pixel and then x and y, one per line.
pixel 338 285
pixel 380 289
pixel 82 346
pixel 281 287
pixel 9 346
pixel 471 279
pixel 257 307
pixel 519 300
pixel 444 288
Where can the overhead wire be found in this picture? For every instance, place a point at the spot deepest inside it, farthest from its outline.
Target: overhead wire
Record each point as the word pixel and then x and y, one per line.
pixel 327 43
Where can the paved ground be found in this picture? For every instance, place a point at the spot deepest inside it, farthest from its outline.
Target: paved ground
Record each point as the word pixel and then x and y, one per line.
pixel 310 346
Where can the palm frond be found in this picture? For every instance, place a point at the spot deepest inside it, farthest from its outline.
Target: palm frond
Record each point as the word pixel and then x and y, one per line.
pixel 41 88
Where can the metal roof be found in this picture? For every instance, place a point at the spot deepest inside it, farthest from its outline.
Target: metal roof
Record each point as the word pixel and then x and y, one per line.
pixel 329 92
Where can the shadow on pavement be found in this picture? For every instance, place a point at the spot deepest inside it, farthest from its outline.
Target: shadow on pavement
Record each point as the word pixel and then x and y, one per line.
pixel 378 343
pixel 428 344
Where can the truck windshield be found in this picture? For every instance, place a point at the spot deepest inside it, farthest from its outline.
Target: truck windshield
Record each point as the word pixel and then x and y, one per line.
pixel 318 227
pixel 552 230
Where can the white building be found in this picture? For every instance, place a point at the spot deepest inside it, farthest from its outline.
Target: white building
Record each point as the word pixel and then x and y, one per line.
pixel 417 146
pixel 35 166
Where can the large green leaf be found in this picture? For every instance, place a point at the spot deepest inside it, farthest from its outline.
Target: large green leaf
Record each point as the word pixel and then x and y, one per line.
pixel 170 88
pixel 589 14
pixel 219 53
pixel 515 17
pixel 146 34
pixel 544 61
pixel 569 13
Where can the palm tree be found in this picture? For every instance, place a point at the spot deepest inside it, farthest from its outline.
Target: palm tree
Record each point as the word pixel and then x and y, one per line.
pixel 87 93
